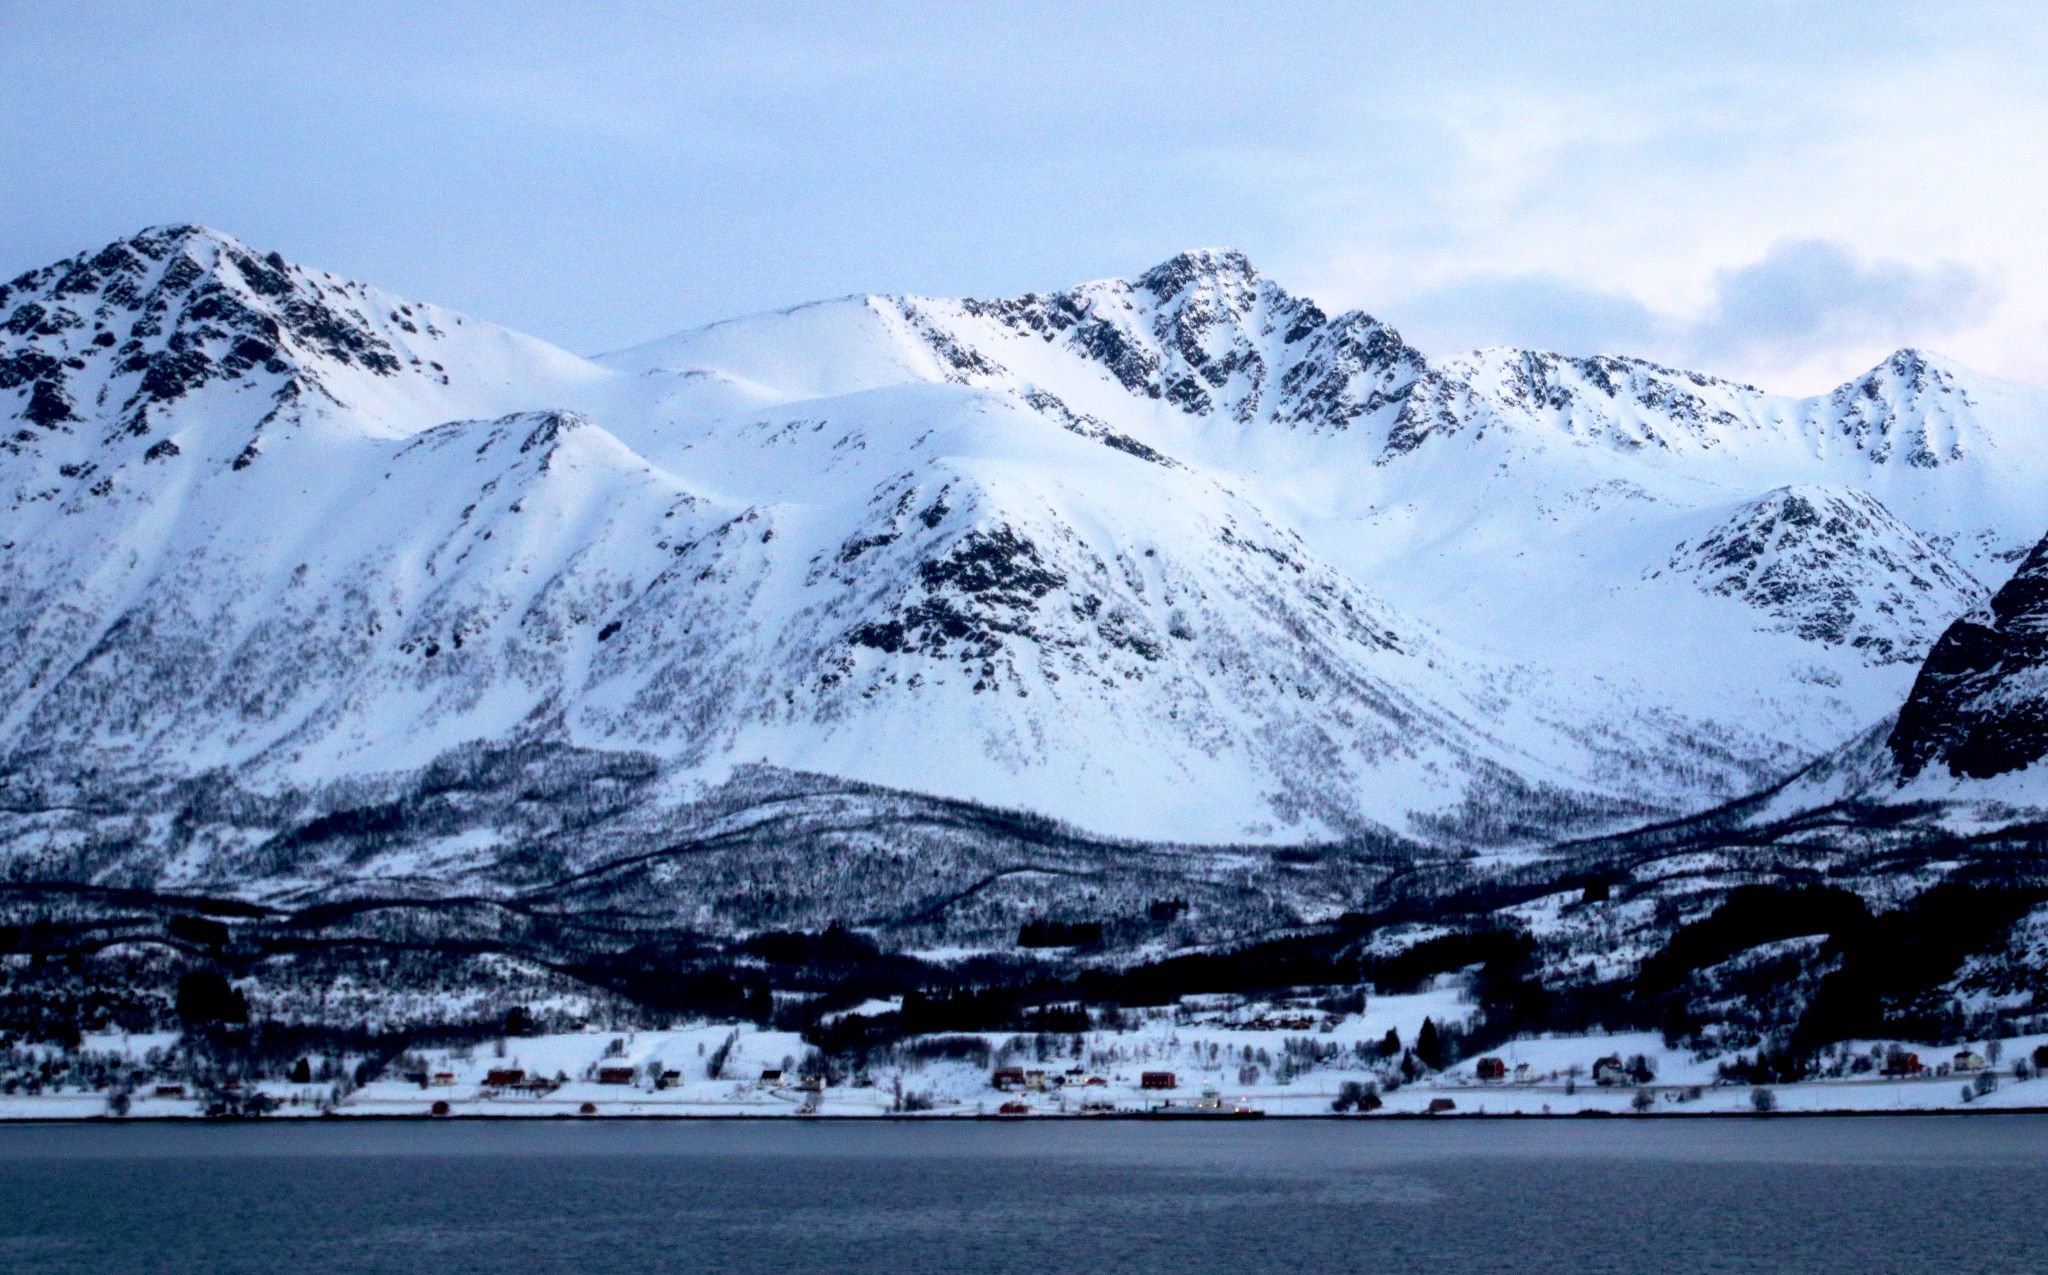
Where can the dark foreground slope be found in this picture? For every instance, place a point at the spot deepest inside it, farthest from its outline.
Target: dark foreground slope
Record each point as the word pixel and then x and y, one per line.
pixel 1980 705
pixel 794 899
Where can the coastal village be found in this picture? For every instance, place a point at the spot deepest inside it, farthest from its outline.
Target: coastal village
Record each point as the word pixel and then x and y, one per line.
pixel 1203 1058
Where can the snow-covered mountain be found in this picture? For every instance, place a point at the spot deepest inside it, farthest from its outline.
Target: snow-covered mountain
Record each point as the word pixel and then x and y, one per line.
pixel 1179 557
pixel 1834 566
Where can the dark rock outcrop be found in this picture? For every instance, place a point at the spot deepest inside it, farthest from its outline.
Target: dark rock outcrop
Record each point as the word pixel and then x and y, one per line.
pixel 1980 704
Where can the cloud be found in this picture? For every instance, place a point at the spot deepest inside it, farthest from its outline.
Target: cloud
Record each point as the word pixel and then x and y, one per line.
pixel 1536 310
pixel 1811 297
pixel 1805 300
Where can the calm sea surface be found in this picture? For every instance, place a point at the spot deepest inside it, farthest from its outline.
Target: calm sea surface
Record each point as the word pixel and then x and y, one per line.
pixel 1872 1196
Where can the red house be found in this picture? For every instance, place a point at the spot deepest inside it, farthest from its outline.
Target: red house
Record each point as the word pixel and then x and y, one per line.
pixel 1490 1069
pixel 1157 1080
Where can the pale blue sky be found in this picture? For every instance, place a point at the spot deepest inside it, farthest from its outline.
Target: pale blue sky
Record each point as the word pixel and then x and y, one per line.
pixel 1777 190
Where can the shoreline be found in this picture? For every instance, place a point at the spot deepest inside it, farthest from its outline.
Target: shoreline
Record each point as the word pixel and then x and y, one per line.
pixel 1152 1071
pixel 1106 1117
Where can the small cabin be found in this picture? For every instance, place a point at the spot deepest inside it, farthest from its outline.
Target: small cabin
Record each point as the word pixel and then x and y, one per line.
pixel 1157 1080
pixel 1013 1109
pixel 1611 1071
pixel 170 1091
pixel 1039 1081
pixel 616 1075
pixel 444 1077
pixel 504 1078
pixel 1439 1105
pixel 771 1078
pixel 1490 1069
pixel 1970 1060
pixel 1008 1078
pixel 1901 1063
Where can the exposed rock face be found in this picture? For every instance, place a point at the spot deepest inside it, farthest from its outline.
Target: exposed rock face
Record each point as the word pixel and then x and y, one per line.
pixel 1834 566
pixel 1980 705
pixel 1903 410
pixel 1206 334
pixel 124 333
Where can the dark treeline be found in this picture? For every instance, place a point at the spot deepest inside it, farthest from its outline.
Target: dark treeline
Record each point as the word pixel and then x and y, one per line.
pixel 1806 960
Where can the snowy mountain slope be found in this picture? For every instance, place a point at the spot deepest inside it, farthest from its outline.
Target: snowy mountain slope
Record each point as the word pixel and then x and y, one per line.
pixel 1004 631
pixel 915 563
pixel 249 638
pixel 1179 557
pixel 1958 757
pixel 1548 490
pixel 1203 340
pixel 1834 566
pixel 1205 361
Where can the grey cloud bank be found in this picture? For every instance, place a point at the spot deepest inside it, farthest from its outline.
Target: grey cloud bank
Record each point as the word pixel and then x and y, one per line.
pixel 1805 298
pixel 1811 295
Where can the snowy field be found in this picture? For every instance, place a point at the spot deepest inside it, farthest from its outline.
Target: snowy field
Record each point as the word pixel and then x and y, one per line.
pixel 1275 1060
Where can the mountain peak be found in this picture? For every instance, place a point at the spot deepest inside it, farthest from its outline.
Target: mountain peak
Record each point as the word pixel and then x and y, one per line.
pixel 159 241
pixel 1906 407
pixel 1176 275
pixel 1908 359
pixel 1907 371
pixel 137 325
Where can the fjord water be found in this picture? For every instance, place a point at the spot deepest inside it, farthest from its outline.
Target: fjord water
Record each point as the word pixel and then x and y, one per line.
pixel 1863 1195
